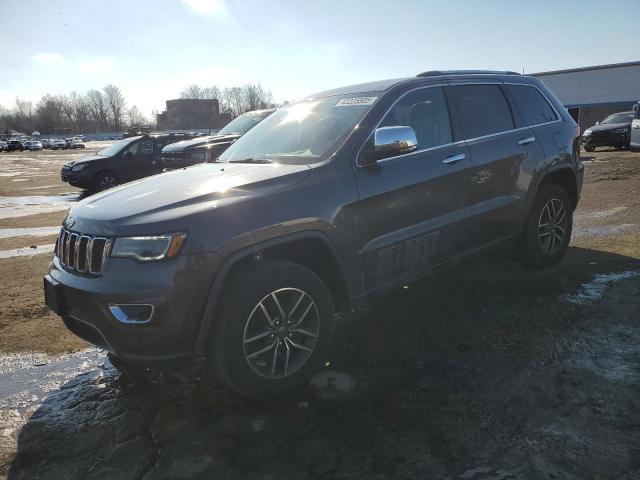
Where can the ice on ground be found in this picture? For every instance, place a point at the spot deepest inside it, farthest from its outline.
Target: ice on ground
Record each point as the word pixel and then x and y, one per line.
pixel 11 207
pixel 27 251
pixel 29 232
pixel 594 290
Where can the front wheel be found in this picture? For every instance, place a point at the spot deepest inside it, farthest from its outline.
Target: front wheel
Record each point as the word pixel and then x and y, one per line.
pixel 273 330
pixel 104 181
pixel 548 229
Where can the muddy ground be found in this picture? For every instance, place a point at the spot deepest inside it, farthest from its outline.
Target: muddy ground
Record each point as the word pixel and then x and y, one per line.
pixel 486 371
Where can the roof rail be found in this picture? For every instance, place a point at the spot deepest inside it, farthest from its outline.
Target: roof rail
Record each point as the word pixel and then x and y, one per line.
pixel 436 73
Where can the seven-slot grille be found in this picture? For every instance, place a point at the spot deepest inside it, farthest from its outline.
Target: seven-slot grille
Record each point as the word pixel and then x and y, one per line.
pixel 82 253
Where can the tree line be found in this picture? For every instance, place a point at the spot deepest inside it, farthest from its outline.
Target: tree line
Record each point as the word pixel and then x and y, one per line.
pixel 92 111
pixel 106 110
pixel 233 101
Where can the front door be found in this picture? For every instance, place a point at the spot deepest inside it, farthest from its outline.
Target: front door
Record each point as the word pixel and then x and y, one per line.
pixel 413 207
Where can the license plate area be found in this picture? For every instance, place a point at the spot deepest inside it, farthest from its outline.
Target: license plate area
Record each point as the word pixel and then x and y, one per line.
pixel 53 295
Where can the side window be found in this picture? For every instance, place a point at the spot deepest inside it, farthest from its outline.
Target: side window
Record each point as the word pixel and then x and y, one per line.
pixel 146 147
pixel 531 104
pixel 483 110
pixel 426 112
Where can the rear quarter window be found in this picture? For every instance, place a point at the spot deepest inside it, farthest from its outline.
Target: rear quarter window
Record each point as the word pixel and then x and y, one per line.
pixel 533 107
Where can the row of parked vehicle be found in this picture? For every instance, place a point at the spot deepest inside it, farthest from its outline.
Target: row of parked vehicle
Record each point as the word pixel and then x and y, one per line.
pixel 148 154
pixel 19 145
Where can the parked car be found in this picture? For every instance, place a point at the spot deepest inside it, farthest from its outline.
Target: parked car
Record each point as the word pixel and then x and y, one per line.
pixel 58 144
pixel 3 146
pixel 323 205
pixel 613 131
pixel 208 148
pixel 77 144
pixel 34 145
pixel 125 160
pixel 15 145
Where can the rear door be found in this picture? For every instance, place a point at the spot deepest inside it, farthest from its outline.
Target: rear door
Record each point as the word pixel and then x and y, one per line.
pixel 412 206
pixel 499 152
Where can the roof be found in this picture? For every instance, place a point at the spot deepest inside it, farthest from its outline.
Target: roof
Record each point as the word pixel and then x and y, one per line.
pixel 378 86
pixel 586 69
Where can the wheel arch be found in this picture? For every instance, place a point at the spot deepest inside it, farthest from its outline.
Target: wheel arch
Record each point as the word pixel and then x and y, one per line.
pixel 324 262
pixel 565 178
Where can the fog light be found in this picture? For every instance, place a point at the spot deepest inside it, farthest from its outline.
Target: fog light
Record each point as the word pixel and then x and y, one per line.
pixel 132 313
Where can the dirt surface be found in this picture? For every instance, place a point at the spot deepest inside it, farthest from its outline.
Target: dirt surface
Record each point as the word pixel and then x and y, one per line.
pixel 485 371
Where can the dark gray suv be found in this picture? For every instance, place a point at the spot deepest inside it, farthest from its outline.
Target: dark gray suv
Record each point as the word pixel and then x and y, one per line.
pixel 243 262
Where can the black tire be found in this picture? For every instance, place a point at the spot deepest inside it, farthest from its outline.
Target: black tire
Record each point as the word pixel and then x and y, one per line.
pixel 589 149
pixel 534 248
pixel 239 313
pixel 104 180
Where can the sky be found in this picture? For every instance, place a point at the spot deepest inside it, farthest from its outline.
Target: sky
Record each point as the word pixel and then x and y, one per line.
pixel 152 49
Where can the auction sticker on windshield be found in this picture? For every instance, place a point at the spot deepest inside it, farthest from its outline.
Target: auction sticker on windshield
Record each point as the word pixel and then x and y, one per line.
pixel 348 102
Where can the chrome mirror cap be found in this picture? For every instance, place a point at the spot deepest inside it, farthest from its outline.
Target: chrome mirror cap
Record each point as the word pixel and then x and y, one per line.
pixel 391 141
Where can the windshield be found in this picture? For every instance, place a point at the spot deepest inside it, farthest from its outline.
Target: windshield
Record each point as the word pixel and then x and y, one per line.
pixel 625 117
pixel 114 149
pixel 242 124
pixel 303 132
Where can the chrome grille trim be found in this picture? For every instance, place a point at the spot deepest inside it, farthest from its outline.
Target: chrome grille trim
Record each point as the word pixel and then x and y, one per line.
pixel 82 253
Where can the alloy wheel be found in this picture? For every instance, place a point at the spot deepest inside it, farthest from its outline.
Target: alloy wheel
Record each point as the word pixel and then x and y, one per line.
pixel 281 333
pixel 106 182
pixel 552 226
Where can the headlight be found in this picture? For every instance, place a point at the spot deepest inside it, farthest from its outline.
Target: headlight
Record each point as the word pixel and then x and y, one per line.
pixel 587 132
pixel 622 130
pixel 149 248
pixel 199 156
pixel 78 167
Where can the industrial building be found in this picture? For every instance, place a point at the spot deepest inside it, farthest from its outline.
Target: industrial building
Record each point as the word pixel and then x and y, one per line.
pixel 191 113
pixel 592 93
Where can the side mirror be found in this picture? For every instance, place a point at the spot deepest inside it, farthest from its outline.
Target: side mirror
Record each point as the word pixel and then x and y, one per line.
pixel 388 142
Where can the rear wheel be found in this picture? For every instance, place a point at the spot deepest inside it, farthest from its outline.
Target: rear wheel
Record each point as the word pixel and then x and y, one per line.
pixel 273 330
pixel 104 180
pixel 548 230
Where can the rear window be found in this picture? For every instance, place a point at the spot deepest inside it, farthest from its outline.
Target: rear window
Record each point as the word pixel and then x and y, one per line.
pixel 483 110
pixel 533 107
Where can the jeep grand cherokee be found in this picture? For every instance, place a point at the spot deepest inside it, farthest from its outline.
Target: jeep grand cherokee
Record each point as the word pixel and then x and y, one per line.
pixel 329 201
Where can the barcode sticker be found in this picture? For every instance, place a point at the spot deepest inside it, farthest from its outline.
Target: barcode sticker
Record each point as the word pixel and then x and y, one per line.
pixel 353 101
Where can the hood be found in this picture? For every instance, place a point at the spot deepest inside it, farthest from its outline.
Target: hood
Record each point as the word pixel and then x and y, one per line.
pixel 198 142
pixel 608 126
pixel 88 158
pixel 133 207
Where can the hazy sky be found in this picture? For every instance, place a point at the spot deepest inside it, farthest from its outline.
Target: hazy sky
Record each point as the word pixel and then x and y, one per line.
pixel 153 49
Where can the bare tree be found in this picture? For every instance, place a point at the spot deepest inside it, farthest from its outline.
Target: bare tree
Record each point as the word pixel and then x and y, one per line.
pixel 97 108
pixel 192 91
pixel 135 117
pixel 115 104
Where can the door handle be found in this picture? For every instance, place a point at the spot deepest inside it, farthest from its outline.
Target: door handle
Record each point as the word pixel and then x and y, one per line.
pixel 526 141
pixel 454 158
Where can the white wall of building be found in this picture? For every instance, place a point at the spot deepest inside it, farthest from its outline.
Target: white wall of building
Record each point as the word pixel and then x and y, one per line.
pixel 612 84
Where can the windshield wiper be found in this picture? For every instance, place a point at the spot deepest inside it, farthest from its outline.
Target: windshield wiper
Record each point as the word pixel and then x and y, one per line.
pixel 251 160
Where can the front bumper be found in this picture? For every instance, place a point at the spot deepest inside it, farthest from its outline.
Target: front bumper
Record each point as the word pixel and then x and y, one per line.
pixel 177 289
pixel 605 140
pixel 81 179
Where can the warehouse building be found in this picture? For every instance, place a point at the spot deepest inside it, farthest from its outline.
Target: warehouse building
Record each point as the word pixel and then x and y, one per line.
pixel 191 113
pixel 592 93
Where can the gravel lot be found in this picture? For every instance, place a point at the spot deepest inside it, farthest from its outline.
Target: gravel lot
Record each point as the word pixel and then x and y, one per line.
pixel 486 371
